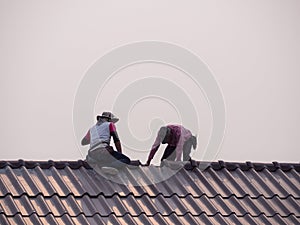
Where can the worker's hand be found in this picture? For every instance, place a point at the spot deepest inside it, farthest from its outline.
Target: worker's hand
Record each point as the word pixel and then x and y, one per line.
pixel 147 163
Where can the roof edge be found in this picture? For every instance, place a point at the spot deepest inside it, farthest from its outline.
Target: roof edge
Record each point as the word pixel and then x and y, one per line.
pixel 216 165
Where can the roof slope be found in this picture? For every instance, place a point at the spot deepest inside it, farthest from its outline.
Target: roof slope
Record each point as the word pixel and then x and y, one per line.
pixel 71 192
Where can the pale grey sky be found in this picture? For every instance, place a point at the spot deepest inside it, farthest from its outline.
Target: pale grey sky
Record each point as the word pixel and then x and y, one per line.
pixel 251 47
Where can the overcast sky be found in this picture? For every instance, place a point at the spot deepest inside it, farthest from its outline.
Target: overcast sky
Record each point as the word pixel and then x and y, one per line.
pixel 252 49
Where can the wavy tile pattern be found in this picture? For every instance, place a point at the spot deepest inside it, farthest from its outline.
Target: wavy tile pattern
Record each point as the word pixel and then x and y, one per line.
pixel 71 192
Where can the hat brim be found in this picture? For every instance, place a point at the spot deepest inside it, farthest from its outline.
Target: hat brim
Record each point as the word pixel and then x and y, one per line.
pixel 114 120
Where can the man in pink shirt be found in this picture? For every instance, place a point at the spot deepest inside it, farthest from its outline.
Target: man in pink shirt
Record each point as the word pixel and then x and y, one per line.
pixel 180 141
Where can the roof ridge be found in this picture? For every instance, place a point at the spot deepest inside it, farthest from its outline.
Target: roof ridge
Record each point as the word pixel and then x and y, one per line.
pixel 257 166
pixel 216 165
pixel 44 164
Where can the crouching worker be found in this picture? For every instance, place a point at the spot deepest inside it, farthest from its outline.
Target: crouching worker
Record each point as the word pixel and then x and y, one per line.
pixel 100 151
pixel 180 141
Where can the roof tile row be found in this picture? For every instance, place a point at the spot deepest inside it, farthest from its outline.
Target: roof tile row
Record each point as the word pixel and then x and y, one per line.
pixel 74 206
pixel 224 193
pixel 82 181
pixel 143 219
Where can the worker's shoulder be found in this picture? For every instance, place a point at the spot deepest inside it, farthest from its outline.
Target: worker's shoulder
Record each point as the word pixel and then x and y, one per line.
pixel 176 126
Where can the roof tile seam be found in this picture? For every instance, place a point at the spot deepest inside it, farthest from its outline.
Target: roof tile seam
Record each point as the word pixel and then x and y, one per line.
pixel 146 194
pixel 255 216
pixel 153 215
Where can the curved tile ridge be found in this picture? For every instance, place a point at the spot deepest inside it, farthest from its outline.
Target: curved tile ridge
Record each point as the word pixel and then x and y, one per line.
pixel 257 166
pixel 216 165
pixel 15 164
pixel 142 219
pixel 130 194
pixel 145 194
pixel 153 215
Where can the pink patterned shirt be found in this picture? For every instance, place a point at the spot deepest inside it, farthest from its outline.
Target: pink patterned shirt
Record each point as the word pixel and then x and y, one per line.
pixel 179 135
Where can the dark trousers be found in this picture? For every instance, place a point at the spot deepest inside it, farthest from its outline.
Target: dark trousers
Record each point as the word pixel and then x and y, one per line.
pixel 114 159
pixel 170 153
pixel 120 161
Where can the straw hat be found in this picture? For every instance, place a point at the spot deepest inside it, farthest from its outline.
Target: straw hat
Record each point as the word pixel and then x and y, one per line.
pixel 108 115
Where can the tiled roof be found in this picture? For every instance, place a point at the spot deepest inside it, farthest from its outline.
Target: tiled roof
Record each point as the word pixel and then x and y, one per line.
pixel 71 192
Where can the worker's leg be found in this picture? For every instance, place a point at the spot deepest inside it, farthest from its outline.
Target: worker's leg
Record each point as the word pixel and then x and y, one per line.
pixel 187 147
pixel 99 155
pixel 120 160
pixel 169 153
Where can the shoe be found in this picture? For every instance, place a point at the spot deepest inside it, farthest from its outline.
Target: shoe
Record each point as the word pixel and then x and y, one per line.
pixel 109 170
pixel 134 164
